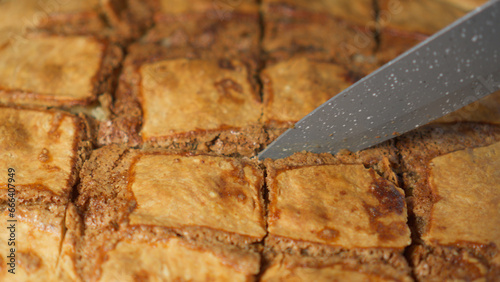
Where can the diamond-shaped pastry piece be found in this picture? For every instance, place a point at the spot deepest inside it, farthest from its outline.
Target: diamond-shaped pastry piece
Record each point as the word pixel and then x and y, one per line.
pixel 46 150
pixel 56 71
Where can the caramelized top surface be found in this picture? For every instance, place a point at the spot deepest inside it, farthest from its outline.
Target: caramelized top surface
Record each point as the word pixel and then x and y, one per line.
pixel 214 192
pixel 174 260
pixel 51 68
pixel 466 188
pixel 41 147
pixel 294 88
pixel 339 205
pixel 182 95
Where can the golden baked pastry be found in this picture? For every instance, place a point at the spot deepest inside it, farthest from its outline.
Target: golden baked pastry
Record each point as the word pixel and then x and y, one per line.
pixel 44 244
pixel 294 268
pixel 456 191
pixel 206 208
pixel 221 112
pixel 133 125
pixel 452 179
pixel 173 259
pixel 56 70
pixel 40 15
pixel 224 28
pixel 338 205
pixel 222 98
pixel 295 87
pixel 46 148
pixel 202 191
pixel 335 208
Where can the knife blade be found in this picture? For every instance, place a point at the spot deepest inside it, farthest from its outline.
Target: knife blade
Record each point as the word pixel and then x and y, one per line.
pixel 451 69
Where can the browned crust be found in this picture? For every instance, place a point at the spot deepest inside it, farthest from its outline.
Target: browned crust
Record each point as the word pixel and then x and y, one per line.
pixel 88 22
pixel 392 266
pixel 274 128
pixel 82 146
pixel 318 36
pixel 52 218
pixel 417 149
pixel 382 158
pixel 103 82
pixel 275 245
pixel 106 201
pixel 125 125
pixel 105 182
pixel 420 146
pixel 128 19
pixel 454 263
pixel 72 240
pixel 232 35
pixel 224 141
pixel 114 20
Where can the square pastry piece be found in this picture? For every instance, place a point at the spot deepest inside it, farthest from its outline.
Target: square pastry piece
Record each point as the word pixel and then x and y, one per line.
pixel 196 104
pixel 207 208
pixel 342 31
pixel 294 88
pixel 39 243
pixel 46 149
pixel 336 207
pixel 224 28
pixel 453 176
pixel 56 71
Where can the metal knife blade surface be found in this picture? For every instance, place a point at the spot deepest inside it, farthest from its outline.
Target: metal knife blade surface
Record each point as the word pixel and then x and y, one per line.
pixel 453 68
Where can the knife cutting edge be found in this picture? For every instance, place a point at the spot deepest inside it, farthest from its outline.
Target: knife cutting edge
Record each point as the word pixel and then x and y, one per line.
pixel 451 69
